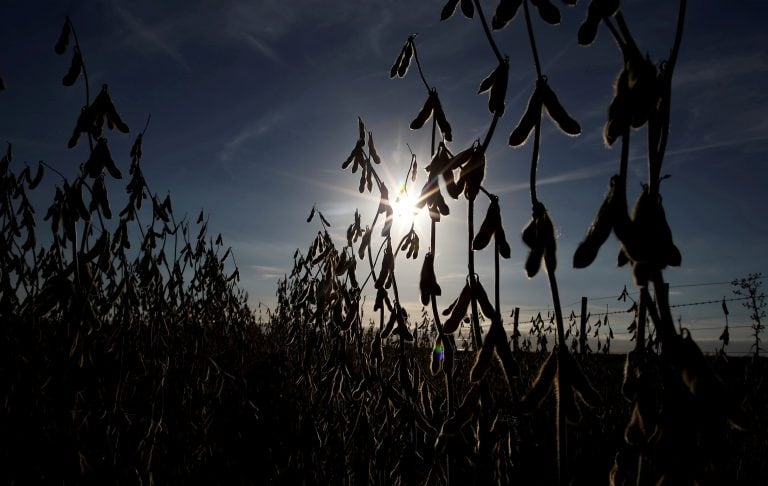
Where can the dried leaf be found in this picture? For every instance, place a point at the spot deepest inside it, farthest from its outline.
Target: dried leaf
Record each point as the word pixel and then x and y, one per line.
pixel 33 183
pixel 472 174
pixel 526 124
pixel 322 218
pixel 499 89
pixel 725 336
pixel 448 9
pixel 500 236
pixel 588 31
pixel 467 8
pixel 489 226
pixel 505 12
pixel 425 113
pixel 458 311
pixel 598 232
pixel 63 40
pixel 372 150
pixel 482 299
pixel 75 68
pixel 555 110
pixel 405 62
pixel 548 12
pixel 428 282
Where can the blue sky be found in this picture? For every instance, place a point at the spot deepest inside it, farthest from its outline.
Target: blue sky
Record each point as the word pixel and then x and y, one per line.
pixel 254 107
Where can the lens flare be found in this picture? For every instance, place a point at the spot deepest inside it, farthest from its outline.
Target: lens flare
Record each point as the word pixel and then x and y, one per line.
pixel 439 350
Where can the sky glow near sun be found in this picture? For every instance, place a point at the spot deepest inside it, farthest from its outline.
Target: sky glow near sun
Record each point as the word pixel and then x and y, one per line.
pixel 404 206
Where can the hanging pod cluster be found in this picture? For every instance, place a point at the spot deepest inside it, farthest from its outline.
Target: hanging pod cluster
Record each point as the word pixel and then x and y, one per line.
pixel 597 11
pixel 467 8
pixel 539 236
pixel 492 227
pixel 358 159
pixel 431 196
pixel 471 164
pixel 636 94
pixel 433 108
pixel 92 118
pixel 645 236
pixel 403 61
pixel 543 97
pixel 646 241
pixel 428 281
pixel 397 324
pixel 496 86
pixel 495 342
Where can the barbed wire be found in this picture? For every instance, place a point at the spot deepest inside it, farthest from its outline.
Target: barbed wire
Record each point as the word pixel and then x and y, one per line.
pixel 635 293
pixel 610 313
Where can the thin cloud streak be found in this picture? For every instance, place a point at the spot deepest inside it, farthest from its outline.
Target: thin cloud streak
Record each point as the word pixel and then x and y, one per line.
pixel 255 129
pixel 263 48
pixel 721 70
pixel 570 176
pixel 605 167
pixel 149 36
pixel 710 146
pixel 268 272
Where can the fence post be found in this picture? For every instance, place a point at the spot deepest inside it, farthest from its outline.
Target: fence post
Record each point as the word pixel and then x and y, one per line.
pixel 583 330
pixel 515 332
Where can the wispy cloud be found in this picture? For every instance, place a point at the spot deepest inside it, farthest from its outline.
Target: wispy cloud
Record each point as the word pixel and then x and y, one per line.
pixel 721 69
pixel 715 145
pixel 263 48
pixel 268 272
pixel 252 130
pixel 149 36
pixel 379 30
pixel 569 176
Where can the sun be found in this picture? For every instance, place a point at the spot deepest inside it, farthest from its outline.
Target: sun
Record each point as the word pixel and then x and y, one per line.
pixel 404 208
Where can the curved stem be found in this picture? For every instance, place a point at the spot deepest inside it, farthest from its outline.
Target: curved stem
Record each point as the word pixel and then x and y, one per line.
pixel 146 124
pixel 678 37
pixel 489 135
pixel 624 162
pixel 666 323
pixel 562 433
pixel 532 38
pixel 85 74
pixel 630 42
pixel 535 160
pixel 372 263
pixel 616 34
pixel 418 64
pixel 434 131
pixel 658 145
pixel 54 170
pixel 487 31
pixel 641 318
pixel 394 280
pixel 485 191
pixel 496 278
pixel 433 298
pixel 476 332
pixel 556 304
